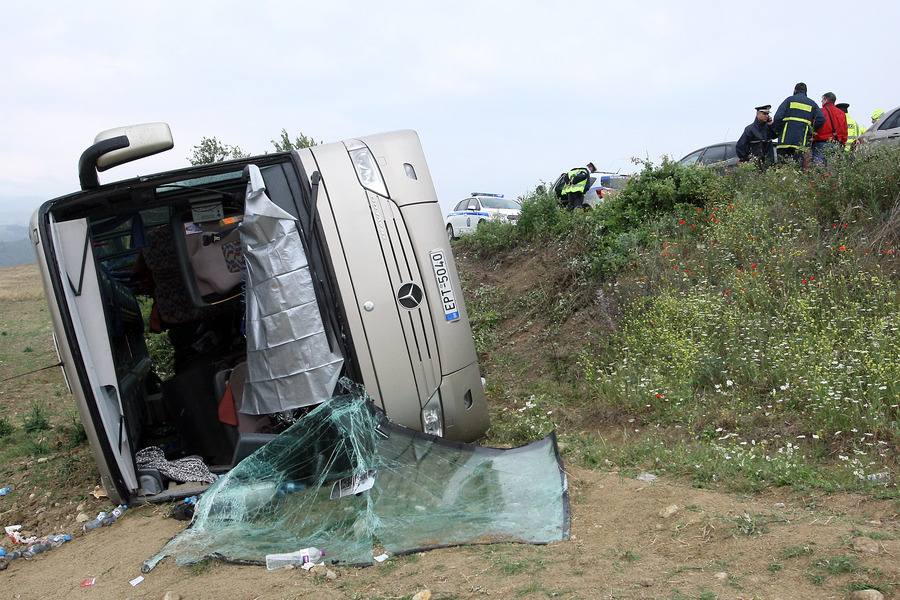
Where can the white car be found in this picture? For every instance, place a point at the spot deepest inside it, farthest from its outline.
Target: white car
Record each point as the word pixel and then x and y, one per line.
pixel 468 213
pixel 600 186
pixel 886 129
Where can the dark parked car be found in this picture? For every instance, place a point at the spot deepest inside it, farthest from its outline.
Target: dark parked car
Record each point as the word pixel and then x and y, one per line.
pixel 720 156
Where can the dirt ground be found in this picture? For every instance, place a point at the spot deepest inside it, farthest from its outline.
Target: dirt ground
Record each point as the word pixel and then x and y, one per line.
pixel 629 538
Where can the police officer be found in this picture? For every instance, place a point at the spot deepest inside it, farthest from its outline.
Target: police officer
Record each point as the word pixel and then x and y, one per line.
pixel 796 119
pixel 754 143
pixel 854 130
pixel 876 115
pixel 576 184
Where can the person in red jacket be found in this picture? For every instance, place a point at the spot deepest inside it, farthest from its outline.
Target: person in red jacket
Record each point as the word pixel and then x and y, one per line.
pixel 830 137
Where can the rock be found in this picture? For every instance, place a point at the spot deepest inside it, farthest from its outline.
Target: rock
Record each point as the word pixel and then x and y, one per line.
pixel 721 576
pixel 43 460
pixel 423 595
pixel 329 574
pixel 866 544
pixel 866 595
pixel 668 511
pixel 80 507
pixel 82 518
pixel 172 596
pixel 779 505
pixel 646 583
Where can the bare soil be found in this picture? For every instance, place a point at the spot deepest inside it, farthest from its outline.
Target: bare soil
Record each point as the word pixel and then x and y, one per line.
pixel 630 538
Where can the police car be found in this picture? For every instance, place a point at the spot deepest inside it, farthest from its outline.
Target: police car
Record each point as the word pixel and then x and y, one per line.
pixel 600 186
pixel 478 207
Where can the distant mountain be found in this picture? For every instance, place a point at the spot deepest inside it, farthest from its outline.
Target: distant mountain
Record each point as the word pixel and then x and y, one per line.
pixel 17 252
pixel 11 233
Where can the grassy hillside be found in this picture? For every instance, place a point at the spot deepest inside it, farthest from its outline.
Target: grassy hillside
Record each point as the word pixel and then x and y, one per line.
pixel 738 328
pixel 19 252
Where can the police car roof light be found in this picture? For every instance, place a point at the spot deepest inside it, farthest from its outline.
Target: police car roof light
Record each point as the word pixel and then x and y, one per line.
pixel 488 195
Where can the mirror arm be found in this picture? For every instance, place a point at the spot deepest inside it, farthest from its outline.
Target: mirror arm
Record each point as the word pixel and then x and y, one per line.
pixel 87 164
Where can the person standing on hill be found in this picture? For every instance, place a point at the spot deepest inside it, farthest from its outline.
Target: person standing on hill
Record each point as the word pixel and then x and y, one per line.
pixel 876 115
pixel 796 120
pixel 755 143
pixel 575 186
pixel 831 137
pixel 854 130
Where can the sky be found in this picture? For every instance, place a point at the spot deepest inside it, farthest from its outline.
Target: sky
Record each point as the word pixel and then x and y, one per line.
pixel 504 95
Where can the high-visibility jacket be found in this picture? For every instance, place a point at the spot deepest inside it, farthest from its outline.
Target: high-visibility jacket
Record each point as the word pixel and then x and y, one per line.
pixel 853 132
pixel 795 121
pixel 576 181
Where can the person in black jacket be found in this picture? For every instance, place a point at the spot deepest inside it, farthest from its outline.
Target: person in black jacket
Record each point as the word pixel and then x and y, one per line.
pixel 796 120
pixel 755 143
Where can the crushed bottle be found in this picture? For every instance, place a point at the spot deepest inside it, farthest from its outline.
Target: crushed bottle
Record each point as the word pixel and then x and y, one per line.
pixel 297 559
pixel 96 522
pixel 115 514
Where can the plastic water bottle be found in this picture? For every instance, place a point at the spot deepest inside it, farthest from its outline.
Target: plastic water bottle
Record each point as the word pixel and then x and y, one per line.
pixel 298 558
pixel 58 540
pixel 115 514
pixel 14 555
pixel 96 522
pixel 5 491
pixel 2 551
pixel 41 546
pixel 289 488
pixel 192 500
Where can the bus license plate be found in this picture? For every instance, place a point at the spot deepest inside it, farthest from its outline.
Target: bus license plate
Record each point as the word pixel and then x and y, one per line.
pixel 442 274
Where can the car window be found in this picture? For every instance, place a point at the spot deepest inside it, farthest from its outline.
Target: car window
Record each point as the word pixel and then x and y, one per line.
pixel 891 122
pixel 691 158
pixel 499 203
pixel 730 152
pixel 616 182
pixel 713 154
pixel 462 205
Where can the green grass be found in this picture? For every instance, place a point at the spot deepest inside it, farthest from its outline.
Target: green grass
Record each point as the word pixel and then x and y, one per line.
pixel 753 339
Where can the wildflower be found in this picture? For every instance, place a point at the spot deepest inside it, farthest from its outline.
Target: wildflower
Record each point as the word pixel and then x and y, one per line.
pixel 841 248
pixel 681 222
pixel 752 266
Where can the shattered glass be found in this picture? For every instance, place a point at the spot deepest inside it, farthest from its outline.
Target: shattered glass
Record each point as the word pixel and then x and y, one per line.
pixel 343 477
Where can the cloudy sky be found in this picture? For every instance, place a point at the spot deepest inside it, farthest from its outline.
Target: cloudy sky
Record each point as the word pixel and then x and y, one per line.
pixel 504 95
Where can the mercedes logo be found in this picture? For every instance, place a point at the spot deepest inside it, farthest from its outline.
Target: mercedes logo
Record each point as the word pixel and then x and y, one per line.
pixel 410 296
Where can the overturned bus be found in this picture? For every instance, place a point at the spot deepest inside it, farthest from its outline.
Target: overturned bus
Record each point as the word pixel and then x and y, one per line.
pixel 266 281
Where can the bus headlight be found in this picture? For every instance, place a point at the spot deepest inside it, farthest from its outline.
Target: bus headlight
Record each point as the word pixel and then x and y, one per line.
pixel 433 416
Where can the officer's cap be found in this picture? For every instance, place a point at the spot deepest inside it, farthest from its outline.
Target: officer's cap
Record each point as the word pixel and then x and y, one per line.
pixel 843 106
pixel 766 108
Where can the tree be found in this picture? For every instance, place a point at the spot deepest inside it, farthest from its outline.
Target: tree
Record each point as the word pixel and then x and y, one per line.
pixel 211 150
pixel 285 143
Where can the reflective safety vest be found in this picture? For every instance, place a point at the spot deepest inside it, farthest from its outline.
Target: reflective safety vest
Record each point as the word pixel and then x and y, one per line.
pixel 853 133
pixel 576 181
